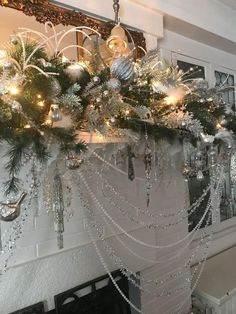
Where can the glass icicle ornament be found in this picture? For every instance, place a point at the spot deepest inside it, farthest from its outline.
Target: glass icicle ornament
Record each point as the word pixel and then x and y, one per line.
pixel 58 208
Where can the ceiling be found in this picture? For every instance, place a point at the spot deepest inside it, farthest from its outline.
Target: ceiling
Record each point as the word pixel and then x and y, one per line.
pixel 229 3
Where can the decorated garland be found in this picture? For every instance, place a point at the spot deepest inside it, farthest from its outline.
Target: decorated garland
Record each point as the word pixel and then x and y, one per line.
pixel 45 98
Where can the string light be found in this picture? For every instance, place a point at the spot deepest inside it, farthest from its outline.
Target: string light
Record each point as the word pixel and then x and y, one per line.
pixel 41 103
pixel 13 90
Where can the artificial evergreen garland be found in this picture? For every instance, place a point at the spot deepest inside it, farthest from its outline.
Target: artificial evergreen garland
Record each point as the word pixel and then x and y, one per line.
pixel 44 98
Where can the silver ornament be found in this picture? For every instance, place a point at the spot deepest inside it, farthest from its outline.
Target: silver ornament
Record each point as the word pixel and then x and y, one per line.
pixel 106 93
pixel 13 40
pixel 55 88
pixel 122 69
pixel 55 113
pixel 114 84
pixel 75 71
pixel 7 66
pixel 96 79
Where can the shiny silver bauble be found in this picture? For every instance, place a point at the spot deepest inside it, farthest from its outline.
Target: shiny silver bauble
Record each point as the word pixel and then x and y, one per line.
pixel 122 69
pixel 114 84
pixel 55 113
pixel 7 66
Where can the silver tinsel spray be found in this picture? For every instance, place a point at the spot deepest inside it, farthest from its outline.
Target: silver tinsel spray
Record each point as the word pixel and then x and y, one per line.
pixel 58 208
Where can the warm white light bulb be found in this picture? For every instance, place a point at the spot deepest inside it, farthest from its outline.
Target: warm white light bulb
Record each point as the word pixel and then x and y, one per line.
pixel 13 90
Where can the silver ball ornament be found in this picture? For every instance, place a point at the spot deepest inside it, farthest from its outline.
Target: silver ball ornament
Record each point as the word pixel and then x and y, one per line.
pixel 13 40
pixel 75 71
pixel 122 69
pixel 55 113
pixel 114 84
pixel 96 80
pixel 106 93
pixel 7 66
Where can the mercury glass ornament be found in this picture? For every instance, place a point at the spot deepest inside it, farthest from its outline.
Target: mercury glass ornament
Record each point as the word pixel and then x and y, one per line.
pixel 55 113
pixel 122 69
pixel 114 84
